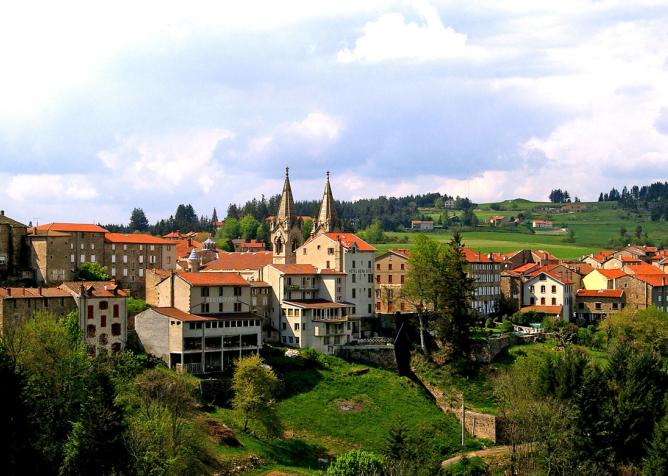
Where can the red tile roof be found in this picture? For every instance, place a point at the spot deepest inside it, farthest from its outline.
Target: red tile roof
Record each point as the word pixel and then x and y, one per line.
pixel 239 261
pixel 296 268
pixel 213 279
pixel 348 239
pixel 603 255
pixel 525 268
pixel 544 255
pixel 643 268
pixel 552 310
pixel 612 273
pixel 11 293
pixel 252 245
pixel 629 259
pixel 95 288
pixel 140 238
pixel 479 257
pixel 179 315
pixel 612 293
pixel 653 279
pixel 69 227
pixel 184 247
pixel 402 251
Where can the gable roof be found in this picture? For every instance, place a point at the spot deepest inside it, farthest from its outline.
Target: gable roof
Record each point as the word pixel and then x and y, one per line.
pixel 213 279
pixel 94 288
pixel 12 293
pixel 140 238
pixel 472 256
pixel 611 293
pixel 350 239
pixel 611 273
pixel 643 268
pixel 72 227
pixel 237 261
pixel 550 310
pixel 653 279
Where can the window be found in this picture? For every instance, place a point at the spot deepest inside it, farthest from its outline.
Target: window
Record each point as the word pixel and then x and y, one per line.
pixel 377 266
pixel 369 308
pixel 204 292
pixel 389 267
pixel 389 278
pixel 354 278
pixel 402 266
pixel 72 258
pixel 554 289
pixel 402 279
pixel 284 326
pixel 113 258
pixel 542 301
pixel 237 290
pixel 531 288
pixel 141 272
pixel 296 326
pixel 330 251
pixel 205 307
pixel 290 339
pixel 542 289
pixel 116 310
pixel 369 292
pixel 377 305
pixel 237 307
pixel 554 301
pixel 90 330
pixel 103 321
pixel 597 305
pixel 125 272
pixel 91 312
pixel 615 305
pixel 296 340
pixel 378 279
pixel 220 307
pixel 113 272
pixel 82 258
pixel 354 294
pixel 327 265
pixel 141 258
pixel 104 305
pixel 92 258
pixel 220 290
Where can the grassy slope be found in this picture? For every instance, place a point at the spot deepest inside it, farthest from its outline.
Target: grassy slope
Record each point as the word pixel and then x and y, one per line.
pixel 309 413
pixel 593 229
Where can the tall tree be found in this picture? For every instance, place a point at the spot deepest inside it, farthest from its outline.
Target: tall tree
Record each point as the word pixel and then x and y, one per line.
pixel 248 227
pixel 214 215
pixel 254 385
pixel 138 220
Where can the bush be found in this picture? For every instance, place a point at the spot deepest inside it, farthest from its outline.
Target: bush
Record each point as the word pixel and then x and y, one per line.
pixel 466 467
pixel 311 357
pixel 507 325
pixel 489 323
pixel 357 463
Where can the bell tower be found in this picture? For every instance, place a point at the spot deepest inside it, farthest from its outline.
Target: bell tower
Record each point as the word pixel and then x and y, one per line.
pixel 286 227
pixel 327 221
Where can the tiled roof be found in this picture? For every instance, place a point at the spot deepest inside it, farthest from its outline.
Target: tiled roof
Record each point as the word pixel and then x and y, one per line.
pixel 544 255
pixel 402 251
pixel 259 284
pixel 296 268
pixel 653 279
pixel 612 293
pixel 348 239
pixel 579 267
pixel 479 257
pixel 422 222
pixel 643 268
pixel 612 273
pixel 549 271
pixel 552 310
pixel 184 247
pixel 239 261
pixel 213 279
pixel 525 268
pixel 603 255
pixel 11 293
pixel 629 259
pixel 140 238
pixel 252 244
pixel 76 227
pixel 180 315
pixel 94 288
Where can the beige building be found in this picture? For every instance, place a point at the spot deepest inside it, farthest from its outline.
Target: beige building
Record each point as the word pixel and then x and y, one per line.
pixel 200 322
pixel 391 270
pixel 308 307
pixel 103 314
pixel 19 304
pixel 13 253
pixel 58 249
pixel 549 289
pixel 485 269
pixel 128 256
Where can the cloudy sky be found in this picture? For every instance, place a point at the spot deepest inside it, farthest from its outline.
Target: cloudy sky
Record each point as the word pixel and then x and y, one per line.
pixel 152 104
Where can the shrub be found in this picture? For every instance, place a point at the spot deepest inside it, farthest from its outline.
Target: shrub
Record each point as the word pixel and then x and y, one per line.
pixel 357 463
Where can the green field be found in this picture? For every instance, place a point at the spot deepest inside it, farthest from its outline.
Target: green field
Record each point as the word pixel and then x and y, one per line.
pixel 593 229
pixel 329 409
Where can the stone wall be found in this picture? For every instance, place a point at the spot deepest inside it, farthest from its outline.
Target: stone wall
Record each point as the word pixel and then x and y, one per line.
pixel 486 351
pixel 375 355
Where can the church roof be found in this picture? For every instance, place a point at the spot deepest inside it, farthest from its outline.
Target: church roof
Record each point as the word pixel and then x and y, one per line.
pixel 327 217
pixel 286 207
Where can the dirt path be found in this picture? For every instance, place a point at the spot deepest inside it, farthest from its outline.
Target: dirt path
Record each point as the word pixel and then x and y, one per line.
pixel 494 451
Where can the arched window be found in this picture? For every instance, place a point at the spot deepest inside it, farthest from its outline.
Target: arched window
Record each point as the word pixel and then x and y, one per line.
pixel 295 245
pixel 90 330
pixel 279 246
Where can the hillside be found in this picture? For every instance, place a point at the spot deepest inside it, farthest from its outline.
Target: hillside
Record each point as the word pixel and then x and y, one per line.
pixel 594 228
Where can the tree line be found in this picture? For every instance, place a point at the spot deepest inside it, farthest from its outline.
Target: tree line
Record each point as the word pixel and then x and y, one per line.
pixel 653 198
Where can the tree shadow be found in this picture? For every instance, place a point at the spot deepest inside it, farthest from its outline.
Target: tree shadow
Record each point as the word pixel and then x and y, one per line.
pixel 294 452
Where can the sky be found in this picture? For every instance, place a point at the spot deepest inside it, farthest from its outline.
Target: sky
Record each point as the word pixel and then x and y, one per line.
pixel 149 104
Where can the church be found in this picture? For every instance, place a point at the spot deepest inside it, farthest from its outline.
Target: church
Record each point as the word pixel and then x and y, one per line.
pixel 323 288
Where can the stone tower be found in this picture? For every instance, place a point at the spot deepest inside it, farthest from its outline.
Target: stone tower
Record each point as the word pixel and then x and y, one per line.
pixel 286 227
pixel 327 221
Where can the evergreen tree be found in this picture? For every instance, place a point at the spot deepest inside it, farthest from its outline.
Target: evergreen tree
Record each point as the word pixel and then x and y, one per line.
pixel 138 221
pixel 214 215
pixel 656 459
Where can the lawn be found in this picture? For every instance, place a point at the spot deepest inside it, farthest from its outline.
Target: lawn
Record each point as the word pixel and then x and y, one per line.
pixel 336 406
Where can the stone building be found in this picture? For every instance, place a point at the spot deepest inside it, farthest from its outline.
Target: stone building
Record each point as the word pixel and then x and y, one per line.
pixel 58 249
pixel 19 304
pixel 592 305
pixel 13 252
pixel 643 291
pixel 391 269
pixel 128 256
pixel 103 314
pixel 286 227
pixel 485 269
pixel 200 322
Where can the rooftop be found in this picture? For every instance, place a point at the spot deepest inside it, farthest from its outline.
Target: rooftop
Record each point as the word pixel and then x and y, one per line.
pixel 15 293
pixel 611 293
pixel 94 288
pixel 213 279
pixel 140 238
pixel 72 227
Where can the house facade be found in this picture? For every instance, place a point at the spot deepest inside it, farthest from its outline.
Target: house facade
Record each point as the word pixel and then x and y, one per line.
pixel 19 304
pixel 485 269
pixel 13 253
pixel 592 305
pixel 391 271
pixel 547 289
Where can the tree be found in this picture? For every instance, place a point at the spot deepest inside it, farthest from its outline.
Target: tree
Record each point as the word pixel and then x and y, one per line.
pixel 138 220
pixel 656 459
pixel 231 230
pixel 373 233
pixel 93 272
pixel 95 445
pixel 455 317
pixel 469 218
pixel 214 215
pixel 254 384
pixel 248 227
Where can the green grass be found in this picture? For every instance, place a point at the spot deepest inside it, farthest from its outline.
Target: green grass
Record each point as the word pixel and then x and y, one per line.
pixel 316 426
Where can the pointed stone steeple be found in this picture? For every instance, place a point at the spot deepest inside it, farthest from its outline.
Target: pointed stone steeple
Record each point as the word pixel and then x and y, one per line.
pixel 327 220
pixel 286 207
pixel 286 227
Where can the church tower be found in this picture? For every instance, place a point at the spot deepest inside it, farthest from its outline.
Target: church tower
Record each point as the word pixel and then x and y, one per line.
pixel 286 227
pixel 327 221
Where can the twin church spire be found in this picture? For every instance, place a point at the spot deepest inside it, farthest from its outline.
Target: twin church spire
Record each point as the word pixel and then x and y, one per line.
pixel 287 227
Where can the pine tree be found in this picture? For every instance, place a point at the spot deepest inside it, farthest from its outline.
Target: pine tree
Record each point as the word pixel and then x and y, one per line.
pixel 138 220
pixel 656 458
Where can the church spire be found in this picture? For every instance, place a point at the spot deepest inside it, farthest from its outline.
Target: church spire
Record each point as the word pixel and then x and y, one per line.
pixel 286 208
pixel 327 219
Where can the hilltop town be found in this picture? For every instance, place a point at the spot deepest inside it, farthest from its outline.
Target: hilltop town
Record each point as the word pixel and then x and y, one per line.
pixel 315 289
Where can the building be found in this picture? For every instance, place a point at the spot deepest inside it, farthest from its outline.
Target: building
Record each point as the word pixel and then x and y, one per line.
pixel 592 305
pixel 485 270
pixel 308 307
pixel 327 220
pixel 644 290
pixel 541 224
pixel 391 270
pixel 200 322
pixel 248 246
pixel 13 252
pixel 597 260
pixel 602 278
pixel 128 256
pixel 248 264
pixel 497 220
pixel 286 227
pixel 58 249
pixel 548 288
pixel 103 314
pixel 19 304
pixel 422 225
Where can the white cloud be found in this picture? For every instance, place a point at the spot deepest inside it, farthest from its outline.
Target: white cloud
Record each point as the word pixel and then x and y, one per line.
pixel 167 162
pixel 392 37
pixel 26 187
